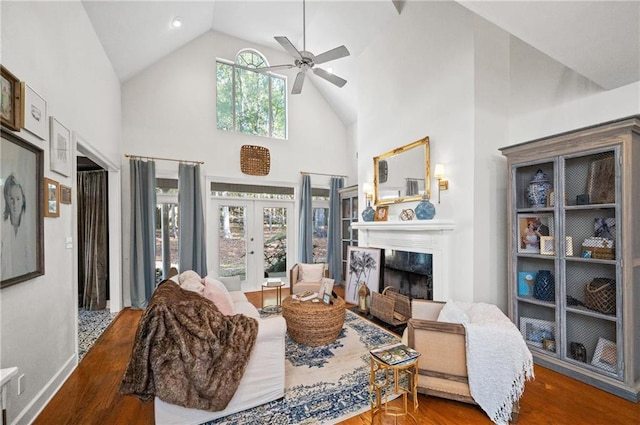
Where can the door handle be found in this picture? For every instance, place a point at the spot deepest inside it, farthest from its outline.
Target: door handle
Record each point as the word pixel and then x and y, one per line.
pixel 250 252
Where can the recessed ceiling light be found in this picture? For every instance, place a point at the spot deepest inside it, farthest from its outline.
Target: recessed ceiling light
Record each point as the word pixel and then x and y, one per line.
pixel 176 22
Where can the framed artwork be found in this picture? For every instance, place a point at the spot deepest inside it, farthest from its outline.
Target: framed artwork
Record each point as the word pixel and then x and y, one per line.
pixel 60 148
pixel 601 183
pixel 546 245
pixel 363 265
pixel 326 287
pixel 34 112
pixel 21 171
pixel 10 106
pixel 65 194
pixel 606 355
pixel 51 198
pixel 531 228
pixel 382 213
pixel 536 331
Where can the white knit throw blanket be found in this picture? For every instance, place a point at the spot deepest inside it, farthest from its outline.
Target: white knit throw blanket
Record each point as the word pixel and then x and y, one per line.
pixel 498 360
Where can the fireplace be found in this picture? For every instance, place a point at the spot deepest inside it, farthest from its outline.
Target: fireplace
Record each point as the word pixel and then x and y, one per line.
pixel 411 273
pixel 418 237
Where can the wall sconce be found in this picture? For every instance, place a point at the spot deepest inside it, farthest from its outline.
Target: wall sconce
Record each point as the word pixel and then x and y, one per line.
pixel 443 184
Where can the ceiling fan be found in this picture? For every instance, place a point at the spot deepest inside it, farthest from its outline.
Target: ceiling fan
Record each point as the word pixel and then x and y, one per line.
pixel 305 60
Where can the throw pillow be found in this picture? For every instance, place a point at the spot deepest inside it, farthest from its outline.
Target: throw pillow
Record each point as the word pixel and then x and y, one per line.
pixel 187 275
pixel 451 313
pixel 217 293
pixel 192 284
pixel 231 282
pixel 311 272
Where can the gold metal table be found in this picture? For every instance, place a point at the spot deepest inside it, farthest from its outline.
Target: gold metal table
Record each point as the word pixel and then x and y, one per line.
pixel 402 379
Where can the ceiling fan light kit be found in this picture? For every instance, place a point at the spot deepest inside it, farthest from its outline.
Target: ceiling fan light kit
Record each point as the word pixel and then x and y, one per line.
pixel 304 60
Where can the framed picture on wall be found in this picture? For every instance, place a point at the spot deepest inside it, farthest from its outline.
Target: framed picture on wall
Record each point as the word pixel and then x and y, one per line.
pixel 11 104
pixel 65 194
pixel 51 198
pixel 60 148
pixel 22 249
pixel 363 265
pixel 34 112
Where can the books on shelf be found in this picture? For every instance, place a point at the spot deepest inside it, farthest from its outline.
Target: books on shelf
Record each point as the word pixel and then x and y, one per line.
pixel 305 296
pixel 395 353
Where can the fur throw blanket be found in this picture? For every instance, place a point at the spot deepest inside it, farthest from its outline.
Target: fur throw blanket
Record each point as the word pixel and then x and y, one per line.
pixel 188 353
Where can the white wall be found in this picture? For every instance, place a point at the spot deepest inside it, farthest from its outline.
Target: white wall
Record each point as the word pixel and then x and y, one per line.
pixel 417 80
pixel 169 110
pixel 52 46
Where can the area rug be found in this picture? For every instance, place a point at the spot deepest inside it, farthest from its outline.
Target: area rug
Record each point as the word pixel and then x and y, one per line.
pixel 91 324
pixel 323 385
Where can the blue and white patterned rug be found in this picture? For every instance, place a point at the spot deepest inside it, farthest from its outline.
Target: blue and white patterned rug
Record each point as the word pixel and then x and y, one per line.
pixel 323 385
pixel 91 324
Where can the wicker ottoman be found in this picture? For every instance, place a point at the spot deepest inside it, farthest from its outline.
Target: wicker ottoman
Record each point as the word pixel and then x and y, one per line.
pixel 312 323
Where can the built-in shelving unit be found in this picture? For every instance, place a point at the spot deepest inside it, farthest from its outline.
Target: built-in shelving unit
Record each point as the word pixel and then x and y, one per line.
pixel 348 216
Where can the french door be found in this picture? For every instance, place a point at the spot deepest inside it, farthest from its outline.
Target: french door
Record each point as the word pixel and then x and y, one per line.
pixel 252 239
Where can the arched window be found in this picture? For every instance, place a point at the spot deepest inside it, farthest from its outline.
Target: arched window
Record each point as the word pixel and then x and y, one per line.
pixel 250 102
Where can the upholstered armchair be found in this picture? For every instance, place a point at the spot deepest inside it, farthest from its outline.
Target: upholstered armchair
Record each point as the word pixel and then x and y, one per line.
pixel 442 366
pixel 307 277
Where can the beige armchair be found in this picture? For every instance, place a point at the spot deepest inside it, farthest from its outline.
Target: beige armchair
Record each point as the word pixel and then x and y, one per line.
pixel 442 366
pixel 307 277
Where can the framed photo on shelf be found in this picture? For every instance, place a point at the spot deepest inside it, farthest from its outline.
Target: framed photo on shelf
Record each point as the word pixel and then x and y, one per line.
pixel 34 112
pixel 382 213
pixel 51 198
pixel 547 245
pixel 65 194
pixel 601 183
pixel 531 227
pixel 22 248
pixel 10 100
pixel 60 148
pixel 606 355
pixel 363 265
pixel 535 331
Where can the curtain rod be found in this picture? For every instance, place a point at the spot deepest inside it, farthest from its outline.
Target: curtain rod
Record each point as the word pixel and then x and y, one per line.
pixel 161 159
pixel 322 174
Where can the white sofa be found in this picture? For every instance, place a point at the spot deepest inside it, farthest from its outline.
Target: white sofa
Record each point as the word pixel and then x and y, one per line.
pixel 263 380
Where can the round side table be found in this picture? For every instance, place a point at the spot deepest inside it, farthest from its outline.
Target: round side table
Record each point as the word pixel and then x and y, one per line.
pixel 392 380
pixel 277 308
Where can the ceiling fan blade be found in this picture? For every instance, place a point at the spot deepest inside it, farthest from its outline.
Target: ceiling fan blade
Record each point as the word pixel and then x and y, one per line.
pixel 329 77
pixel 274 67
pixel 288 46
pixel 333 54
pixel 297 85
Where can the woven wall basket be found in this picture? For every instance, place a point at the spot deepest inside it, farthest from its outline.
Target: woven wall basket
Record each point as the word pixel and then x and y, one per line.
pixel 255 160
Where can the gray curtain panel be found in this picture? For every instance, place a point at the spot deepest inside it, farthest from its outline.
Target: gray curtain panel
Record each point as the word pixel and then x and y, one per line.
pixel 143 227
pixel 334 257
pixel 191 232
pixel 92 239
pixel 412 187
pixel 305 243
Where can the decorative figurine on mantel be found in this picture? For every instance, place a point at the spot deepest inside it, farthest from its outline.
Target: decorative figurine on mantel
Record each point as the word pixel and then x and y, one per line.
pixel 407 214
pixel 425 210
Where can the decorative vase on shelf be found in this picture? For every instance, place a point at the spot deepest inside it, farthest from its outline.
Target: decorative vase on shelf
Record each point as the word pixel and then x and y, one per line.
pixel 544 289
pixel 425 210
pixel 368 213
pixel 538 189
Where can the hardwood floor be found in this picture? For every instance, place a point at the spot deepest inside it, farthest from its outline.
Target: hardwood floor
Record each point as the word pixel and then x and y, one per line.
pixel 90 395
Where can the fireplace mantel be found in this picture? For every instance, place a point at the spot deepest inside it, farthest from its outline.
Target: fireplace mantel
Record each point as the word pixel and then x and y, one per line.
pixel 427 236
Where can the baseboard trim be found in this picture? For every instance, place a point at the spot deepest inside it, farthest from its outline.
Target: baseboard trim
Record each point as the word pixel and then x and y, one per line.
pixel 44 396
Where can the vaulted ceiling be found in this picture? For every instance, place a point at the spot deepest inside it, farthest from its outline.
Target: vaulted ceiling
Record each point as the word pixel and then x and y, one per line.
pixel 597 39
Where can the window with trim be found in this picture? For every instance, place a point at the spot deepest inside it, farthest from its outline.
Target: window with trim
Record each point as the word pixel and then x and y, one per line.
pixel 250 102
pixel 320 223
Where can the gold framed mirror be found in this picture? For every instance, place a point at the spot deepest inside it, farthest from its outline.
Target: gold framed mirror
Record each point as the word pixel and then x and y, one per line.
pixel 403 174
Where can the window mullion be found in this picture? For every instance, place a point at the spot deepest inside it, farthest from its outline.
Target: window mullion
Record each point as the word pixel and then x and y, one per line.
pixel 233 98
pixel 270 108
